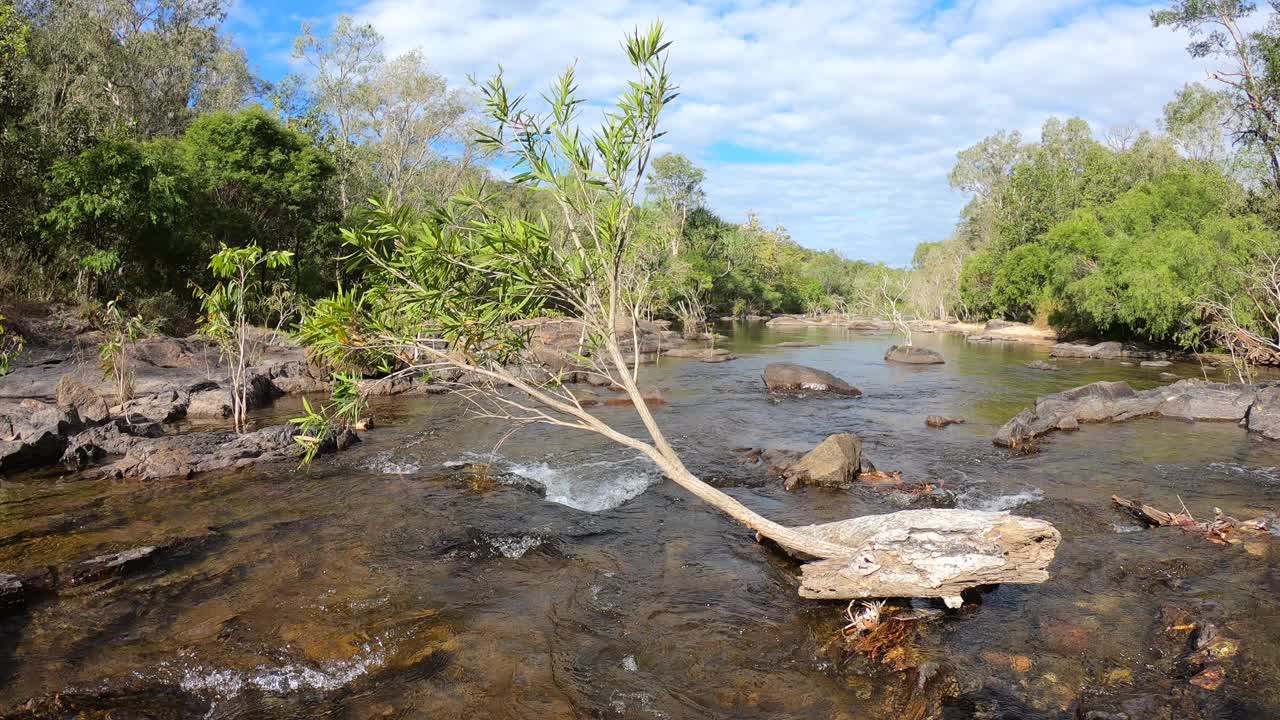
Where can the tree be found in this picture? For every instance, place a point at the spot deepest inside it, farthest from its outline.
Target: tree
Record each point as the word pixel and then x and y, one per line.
pixel 225 314
pixel 675 184
pixel 344 64
pixel 411 119
pixel 1252 75
pixel 1196 121
pixel 143 66
pixel 119 200
pixel 448 290
pixel 264 184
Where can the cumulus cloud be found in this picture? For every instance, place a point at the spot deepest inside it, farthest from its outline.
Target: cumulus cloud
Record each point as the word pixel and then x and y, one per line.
pixel 854 110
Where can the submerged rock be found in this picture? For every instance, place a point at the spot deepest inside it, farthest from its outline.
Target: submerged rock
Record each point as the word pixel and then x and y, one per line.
pixel 1042 365
pixel 834 463
pixel 1117 401
pixel 913 355
pixel 939 421
pixel 791 378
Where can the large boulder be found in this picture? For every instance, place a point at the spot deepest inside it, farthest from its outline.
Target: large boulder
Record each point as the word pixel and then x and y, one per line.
pixel 834 463
pixel 1117 401
pixel 184 455
pixel 1197 400
pixel 791 378
pixel 1264 416
pixel 33 433
pixel 1106 351
pixel 73 394
pixel 913 355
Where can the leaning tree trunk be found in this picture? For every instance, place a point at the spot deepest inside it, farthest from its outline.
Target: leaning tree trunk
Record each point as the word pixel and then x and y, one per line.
pixel 912 553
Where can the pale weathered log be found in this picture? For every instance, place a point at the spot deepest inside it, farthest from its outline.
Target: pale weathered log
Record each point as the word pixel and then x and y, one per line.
pixel 928 553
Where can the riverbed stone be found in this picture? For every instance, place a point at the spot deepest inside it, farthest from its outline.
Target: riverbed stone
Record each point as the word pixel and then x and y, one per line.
pixel 1042 365
pixel 913 355
pixel 184 455
pixel 1189 399
pixel 941 421
pixel 792 378
pixel 33 433
pixel 1264 416
pixel 1110 350
pixel 834 463
pixel 72 393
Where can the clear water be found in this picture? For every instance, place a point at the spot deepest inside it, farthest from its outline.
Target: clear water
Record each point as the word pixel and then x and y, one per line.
pixel 384 582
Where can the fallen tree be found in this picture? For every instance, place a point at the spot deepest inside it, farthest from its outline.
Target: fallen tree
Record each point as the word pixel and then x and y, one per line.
pixel 444 294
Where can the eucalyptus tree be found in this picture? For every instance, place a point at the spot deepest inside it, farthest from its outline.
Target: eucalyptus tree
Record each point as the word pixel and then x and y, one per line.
pixel 675 185
pixel 1251 75
pixel 343 65
pixel 451 290
pixel 143 66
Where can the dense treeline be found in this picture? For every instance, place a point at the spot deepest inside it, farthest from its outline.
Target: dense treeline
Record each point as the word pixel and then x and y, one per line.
pixel 135 141
pixel 1155 236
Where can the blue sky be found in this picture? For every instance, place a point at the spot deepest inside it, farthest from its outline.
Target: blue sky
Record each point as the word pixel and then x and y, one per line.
pixel 838 120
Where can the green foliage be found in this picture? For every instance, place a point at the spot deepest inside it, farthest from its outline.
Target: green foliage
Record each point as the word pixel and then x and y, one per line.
pixel 319 426
pixel 224 315
pixel 263 184
pixel 119 201
pixel 115 354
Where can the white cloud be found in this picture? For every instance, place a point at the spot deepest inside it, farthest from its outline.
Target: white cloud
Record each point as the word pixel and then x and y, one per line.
pixel 874 99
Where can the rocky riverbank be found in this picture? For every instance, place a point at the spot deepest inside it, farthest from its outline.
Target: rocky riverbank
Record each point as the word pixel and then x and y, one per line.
pixel 57 407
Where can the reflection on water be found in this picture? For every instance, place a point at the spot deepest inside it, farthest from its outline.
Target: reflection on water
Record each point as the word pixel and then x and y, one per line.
pixel 385 582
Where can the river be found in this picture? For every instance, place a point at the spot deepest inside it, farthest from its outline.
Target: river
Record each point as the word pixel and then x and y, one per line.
pixel 391 581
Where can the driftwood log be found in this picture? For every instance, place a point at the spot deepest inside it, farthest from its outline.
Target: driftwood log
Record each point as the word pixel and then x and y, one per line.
pixel 928 553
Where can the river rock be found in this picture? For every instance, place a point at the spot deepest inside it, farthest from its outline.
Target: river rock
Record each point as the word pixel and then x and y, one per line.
pixel 184 455
pixel 33 433
pixel 1117 401
pixel 834 463
pixel 88 405
pixel 1155 363
pixel 913 355
pixel 796 344
pixel 114 438
pixel 162 407
pixel 1264 416
pixel 12 592
pixel 711 355
pixel 791 378
pixel 1042 365
pixel 1106 351
pixel 940 421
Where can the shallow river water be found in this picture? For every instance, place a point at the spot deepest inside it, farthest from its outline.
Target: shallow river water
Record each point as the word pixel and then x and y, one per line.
pixel 390 581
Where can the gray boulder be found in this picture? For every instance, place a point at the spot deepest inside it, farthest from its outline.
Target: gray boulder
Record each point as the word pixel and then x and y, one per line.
pixel 1106 351
pixel 1264 416
pixel 834 463
pixel 1117 401
pixel 1042 365
pixel 913 355
pixel 73 394
pixel 184 455
pixel 33 433
pixel 791 378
